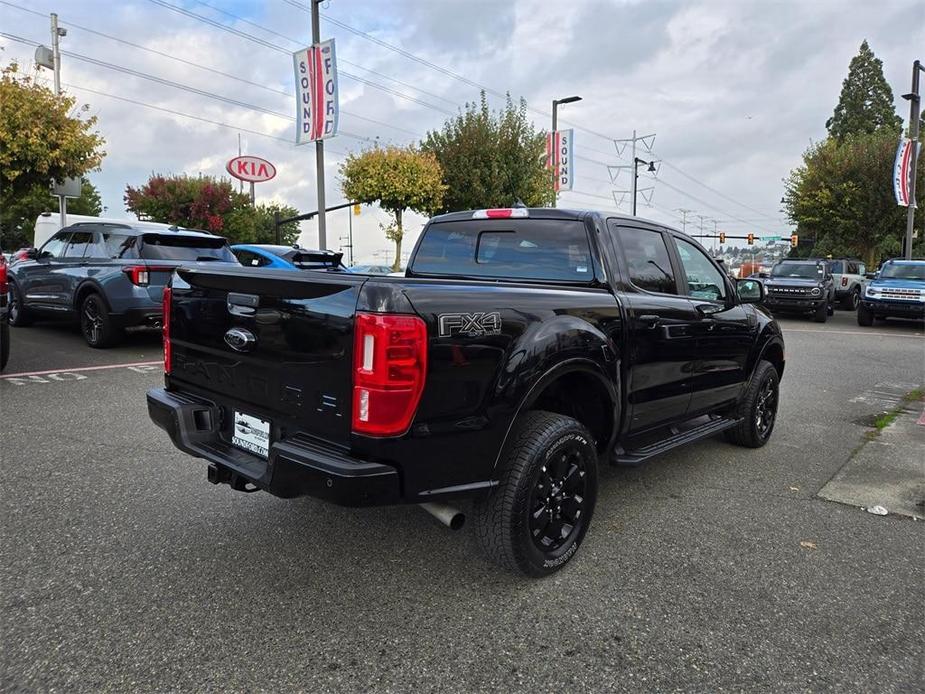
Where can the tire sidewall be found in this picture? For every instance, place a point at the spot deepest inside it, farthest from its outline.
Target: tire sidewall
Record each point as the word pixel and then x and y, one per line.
pixel 530 557
pixel 768 372
pixel 106 327
pixel 18 317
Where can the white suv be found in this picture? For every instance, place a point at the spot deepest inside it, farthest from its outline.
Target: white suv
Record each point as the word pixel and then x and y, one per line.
pixel 849 279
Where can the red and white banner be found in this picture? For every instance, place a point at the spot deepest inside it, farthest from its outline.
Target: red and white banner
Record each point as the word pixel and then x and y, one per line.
pixel 902 173
pixel 560 159
pixel 316 92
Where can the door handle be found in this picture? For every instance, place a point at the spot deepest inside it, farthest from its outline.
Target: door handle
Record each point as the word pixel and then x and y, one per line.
pixel 650 320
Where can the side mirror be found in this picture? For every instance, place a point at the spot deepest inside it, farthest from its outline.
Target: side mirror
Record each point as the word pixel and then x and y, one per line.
pixel 32 253
pixel 750 291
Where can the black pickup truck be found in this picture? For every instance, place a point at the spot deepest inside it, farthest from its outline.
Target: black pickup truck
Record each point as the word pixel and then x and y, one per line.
pixel 522 348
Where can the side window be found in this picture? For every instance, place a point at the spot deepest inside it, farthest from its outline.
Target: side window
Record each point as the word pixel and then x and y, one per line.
pixel 862 269
pixel 250 259
pixel 54 247
pixel 80 241
pixel 647 260
pixel 703 280
pixel 117 246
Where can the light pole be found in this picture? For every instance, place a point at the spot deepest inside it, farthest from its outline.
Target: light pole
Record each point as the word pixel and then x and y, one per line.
pixel 636 162
pixel 552 148
pixel 319 146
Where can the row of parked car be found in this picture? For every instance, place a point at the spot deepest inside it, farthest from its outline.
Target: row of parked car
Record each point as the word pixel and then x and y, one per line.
pixel 109 277
pixel 816 286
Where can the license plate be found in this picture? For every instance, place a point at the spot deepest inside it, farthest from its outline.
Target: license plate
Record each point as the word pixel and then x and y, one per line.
pixel 251 434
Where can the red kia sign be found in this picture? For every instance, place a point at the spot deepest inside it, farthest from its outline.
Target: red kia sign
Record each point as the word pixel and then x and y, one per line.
pixel 253 169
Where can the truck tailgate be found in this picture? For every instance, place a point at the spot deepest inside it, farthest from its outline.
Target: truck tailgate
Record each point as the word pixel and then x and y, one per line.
pixel 268 344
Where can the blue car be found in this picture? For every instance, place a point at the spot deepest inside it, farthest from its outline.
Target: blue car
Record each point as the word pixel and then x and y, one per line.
pixel 897 291
pixel 286 257
pixel 105 276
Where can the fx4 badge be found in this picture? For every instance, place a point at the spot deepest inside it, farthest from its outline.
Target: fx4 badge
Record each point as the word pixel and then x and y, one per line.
pixel 469 324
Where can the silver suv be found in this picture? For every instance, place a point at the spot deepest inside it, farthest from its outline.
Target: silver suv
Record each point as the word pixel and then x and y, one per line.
pixel 849 280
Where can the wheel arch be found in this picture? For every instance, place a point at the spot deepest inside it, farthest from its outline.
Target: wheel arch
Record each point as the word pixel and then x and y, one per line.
pixel 89 286
pixel 563 389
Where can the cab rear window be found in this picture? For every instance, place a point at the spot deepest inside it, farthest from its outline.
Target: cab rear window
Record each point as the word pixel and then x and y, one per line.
pixel 181 247
pixel 529 249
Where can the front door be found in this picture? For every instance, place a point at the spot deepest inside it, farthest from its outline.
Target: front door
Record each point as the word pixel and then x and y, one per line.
pixel 724 330
pixel 660 320
pixel 38 280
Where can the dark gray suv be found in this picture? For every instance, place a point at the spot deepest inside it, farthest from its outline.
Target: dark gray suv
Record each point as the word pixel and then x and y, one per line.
pixel 107 276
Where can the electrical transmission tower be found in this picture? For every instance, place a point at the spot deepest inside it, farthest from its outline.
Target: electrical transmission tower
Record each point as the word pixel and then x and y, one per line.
pixel 646 141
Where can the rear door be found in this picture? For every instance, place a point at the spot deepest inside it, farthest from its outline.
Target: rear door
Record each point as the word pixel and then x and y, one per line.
pixel 724 329
pixel 661 320
pixel 71 267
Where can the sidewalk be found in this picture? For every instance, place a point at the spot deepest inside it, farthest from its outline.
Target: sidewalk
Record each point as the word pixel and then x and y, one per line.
pixel 888 470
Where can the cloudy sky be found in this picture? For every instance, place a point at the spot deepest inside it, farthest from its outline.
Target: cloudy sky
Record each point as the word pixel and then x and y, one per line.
pixel 734 90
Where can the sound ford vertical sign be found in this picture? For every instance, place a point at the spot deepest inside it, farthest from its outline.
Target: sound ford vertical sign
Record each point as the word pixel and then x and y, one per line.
pixel 316 92
pixel 902 173
pixel 560 158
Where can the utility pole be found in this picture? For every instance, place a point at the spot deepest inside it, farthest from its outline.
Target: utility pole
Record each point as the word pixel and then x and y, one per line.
pixel 553 149
pixel 647 142
pixel 240 181
pixel 684 214
pixel 56 33
pixel 915 101
pixel 319 144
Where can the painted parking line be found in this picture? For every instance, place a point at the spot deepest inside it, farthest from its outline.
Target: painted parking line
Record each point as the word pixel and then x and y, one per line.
pixel 850 332
pixel 24 377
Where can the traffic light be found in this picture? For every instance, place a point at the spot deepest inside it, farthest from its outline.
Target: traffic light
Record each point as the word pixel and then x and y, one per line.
pixel 751 239
pixel 722 237
pixel 794 240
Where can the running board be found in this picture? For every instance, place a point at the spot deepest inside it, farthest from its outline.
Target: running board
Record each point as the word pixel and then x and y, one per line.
pixel 637 456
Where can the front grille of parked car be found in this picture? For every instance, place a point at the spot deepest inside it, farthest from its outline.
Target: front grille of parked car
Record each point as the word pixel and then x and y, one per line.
pixel 898 293
pixel 787 291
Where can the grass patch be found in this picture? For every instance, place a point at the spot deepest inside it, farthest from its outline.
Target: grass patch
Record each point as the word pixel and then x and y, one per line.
pixel 914 395
pixel 884 420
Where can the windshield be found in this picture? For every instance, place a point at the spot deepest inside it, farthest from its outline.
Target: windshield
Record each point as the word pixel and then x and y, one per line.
pixel 539 249
pixel 798 270
pixel 904 271
pixel 193 248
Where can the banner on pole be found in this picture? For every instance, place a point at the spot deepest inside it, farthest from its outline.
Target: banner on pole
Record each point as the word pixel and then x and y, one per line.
pixel 316 92
pixel 902 173
pixel 560 158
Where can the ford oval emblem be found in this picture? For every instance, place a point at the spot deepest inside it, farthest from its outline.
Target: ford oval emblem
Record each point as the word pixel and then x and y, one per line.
pixel 240 340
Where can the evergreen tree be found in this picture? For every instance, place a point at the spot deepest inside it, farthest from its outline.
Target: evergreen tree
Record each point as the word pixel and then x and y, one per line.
pixel 866 101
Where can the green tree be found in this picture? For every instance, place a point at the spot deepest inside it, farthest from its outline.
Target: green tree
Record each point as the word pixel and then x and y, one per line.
pixel 258 224
pixel 398 178
pixel 866 101
pixel 17 218
pixel 842 201
pixel 491 159
pixel 42 138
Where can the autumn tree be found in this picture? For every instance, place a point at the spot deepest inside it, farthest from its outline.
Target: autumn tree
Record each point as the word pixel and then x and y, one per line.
pixel 866 101
pixel 43 137
pixel 491 159
pixel 399 179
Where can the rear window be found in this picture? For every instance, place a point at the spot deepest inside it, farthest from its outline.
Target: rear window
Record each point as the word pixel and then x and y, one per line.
pixel 540 249
pixel 179 247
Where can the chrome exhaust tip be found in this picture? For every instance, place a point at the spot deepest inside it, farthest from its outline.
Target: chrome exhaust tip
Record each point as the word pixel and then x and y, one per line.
pixel 451 517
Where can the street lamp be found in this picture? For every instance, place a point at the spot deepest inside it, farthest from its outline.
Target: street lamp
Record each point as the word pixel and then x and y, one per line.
pixel 636 162
pixel 555 122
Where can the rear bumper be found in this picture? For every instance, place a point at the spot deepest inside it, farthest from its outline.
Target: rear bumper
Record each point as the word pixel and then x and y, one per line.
pixel 149 316
pixel 896 309
pixel 297 465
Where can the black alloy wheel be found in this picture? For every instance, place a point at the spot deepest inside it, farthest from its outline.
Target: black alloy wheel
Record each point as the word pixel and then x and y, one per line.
pixel 757 411
pixel 17 314
pixel 558 500
pixel 96 324
pixel 766 408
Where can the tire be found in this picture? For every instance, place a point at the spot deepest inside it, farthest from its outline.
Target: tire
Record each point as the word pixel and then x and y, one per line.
pixel 19 315
pixel 96 325
pixel 763 393
pixel 549 462
pixel 830 308
pixel 852 300
pixel 821 314
pixel 865 317
pixel 4 344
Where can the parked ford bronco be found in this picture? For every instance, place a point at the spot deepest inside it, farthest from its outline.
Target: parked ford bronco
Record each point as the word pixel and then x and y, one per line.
pixel 801 286
pixel 848 278
pixel 897 291
pixel 522 348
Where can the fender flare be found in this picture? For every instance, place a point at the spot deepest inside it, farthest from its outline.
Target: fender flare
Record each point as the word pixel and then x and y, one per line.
pixel 773 340
pixel 552 374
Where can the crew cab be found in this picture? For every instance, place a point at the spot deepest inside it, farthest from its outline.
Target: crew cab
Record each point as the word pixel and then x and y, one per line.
pixel 801 286
pixel 897 291
pixel 522 348
pixel 106 276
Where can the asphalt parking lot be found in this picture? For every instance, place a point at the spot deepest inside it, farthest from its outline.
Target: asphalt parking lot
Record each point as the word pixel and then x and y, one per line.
pixel 710 568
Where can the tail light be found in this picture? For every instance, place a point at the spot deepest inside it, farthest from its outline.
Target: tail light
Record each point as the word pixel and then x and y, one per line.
pixel 389 368
pixel 3 287
pixel 140 275
pixel 501 213
pixel 844 281
pixel 168 294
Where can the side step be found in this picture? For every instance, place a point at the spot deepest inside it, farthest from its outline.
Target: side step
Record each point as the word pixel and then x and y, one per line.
pixel 636 456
